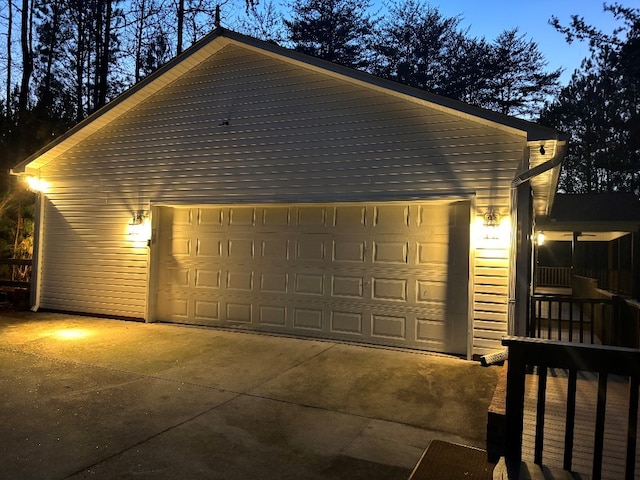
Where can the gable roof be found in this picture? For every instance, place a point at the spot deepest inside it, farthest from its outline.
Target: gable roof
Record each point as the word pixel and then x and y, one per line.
pixel 218 39
pixel 544 182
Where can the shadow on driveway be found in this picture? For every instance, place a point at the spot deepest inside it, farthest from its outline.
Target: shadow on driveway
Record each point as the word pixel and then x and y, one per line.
pixel 83 397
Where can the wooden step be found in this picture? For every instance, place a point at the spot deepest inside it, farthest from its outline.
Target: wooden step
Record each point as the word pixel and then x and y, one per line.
pixel 450 461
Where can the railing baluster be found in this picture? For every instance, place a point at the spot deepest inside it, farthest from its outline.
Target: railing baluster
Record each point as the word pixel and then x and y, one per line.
pixel 605 318
pixel 582 322
pixel 599 433
pixel 570 321
pixel 540 408
pixel 593 323
pixel 531 330
pixel 570 419
pixel 549 305
pixel 560 320
pixel 539 318
pixel 632 429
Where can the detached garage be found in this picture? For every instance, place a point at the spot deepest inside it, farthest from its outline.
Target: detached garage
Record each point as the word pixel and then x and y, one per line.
pixel 248 186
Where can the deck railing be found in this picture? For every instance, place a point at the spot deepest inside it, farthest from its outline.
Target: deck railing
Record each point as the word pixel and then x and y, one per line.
pixel 527 353
pixel 15 272
pixel 607 321
pixel 615 281
pixel 553 276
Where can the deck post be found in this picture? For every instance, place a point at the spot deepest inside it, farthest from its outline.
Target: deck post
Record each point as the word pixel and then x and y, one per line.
pixel 514 410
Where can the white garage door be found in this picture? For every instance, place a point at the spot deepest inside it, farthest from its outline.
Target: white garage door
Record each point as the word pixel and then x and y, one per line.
pixel 391 274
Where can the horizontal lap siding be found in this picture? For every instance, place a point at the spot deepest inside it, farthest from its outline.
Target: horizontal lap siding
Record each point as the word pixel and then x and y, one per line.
pixel 294 135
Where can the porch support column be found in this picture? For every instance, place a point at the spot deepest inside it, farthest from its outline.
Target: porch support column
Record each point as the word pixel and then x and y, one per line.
pixel 574 253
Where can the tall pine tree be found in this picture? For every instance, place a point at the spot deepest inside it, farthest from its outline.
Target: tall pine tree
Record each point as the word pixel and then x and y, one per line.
pixel 600 108
pixel 336 30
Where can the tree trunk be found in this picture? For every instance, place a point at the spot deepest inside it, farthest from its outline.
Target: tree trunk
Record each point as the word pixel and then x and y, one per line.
pixel 9 58
pixel 138 47
pixel 79 59
pixel 105 54
pixel 180 25
pixel 99 45
pixel 27 60
pixel 55 25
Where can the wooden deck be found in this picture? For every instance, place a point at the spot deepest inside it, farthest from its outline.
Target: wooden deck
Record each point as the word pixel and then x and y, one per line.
pixel 586 398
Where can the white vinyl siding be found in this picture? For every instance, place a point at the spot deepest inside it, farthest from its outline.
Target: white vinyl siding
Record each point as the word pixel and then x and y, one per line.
pixel 293 135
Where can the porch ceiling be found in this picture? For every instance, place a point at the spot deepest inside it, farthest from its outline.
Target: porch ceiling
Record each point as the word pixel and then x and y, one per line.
pixel 584 235
pixel 598 217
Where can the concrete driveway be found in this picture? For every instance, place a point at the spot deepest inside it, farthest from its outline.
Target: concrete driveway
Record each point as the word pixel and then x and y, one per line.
pixel 83 397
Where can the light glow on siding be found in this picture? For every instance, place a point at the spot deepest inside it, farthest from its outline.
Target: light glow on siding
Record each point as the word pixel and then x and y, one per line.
pixel 139 229
pixel 37 184
pixel 492 236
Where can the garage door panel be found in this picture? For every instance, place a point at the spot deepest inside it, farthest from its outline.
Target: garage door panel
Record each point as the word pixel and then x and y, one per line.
pixel 308 319
pixel 182 218
pixel 274 249
pixel 276 216
pixel 205 278
pixel 388 327
pixel 210 217
pixel 239 312
pixel 239 280
pixel 181 246
pixel 242 216
pixel 432 330
pixel 177 309
pixel 347 286
pixel 391 218
pixel 433 253
pixel 349 250
pixel 393 289
pixel 274 282
pixel 175 277
pixel 346 323
pixel 381 274
pixel 349 217
pixel 313 216
pixel 207 248
pixel 388 251
pixel 240 249
pixel 310 249
pixel 309 284
pixel 207 310
pixel 432 291
pixel 272 316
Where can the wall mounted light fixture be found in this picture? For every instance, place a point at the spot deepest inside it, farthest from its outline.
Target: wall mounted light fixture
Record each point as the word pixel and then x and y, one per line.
pixel 540 238
pixel 491 225
pixel 139 226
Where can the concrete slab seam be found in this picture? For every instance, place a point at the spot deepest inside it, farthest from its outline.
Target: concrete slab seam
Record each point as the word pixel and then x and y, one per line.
pixel 151 437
